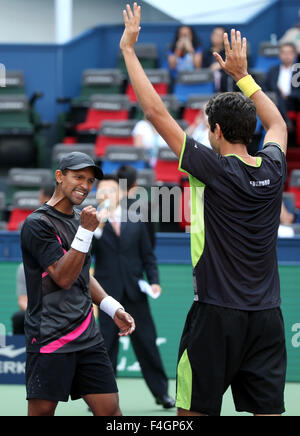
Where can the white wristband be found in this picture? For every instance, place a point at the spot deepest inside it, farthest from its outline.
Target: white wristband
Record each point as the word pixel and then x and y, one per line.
pixel 109 305
pixel 82 240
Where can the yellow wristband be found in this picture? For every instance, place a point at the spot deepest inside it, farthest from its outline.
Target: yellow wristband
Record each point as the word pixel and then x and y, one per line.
pixel 248 86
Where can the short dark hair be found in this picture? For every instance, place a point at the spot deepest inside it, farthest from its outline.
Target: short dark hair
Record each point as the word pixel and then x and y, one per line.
pixel 129 173
pixel 109 177
pixel 236 115
pixel 219 27
pixel 289 44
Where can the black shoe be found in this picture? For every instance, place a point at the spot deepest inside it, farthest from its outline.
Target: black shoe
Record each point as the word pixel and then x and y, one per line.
pixel 165 401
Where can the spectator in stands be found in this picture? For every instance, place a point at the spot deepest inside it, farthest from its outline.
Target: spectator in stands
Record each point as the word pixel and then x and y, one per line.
pixel 209 61
pixel 129 174
pixel 288 218
pixel 46 193
pixel 145 135
pixel 280 81
pixel 199 129
pixel 186 51
pixel 293 35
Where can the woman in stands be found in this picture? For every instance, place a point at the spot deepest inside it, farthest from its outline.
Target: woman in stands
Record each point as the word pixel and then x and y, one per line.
pixel 186 51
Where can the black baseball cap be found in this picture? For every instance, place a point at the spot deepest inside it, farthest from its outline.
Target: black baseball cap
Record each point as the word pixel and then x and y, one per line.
pixel 77 161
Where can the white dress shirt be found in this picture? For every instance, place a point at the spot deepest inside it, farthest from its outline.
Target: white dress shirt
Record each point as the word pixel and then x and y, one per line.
pixel 284 82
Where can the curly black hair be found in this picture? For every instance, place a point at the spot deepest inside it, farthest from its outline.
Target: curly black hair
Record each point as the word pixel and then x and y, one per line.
pixel 236 115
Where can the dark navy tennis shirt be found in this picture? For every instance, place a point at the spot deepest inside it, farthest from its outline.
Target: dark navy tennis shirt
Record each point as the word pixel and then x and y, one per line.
pixel 235 215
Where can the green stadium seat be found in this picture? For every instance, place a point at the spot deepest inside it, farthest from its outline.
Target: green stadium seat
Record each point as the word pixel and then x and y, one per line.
pixel 100 81
pixel 60 150
pixel 20 141
pixel 15 87
pixel 147 54
pixel 14 112
pixel 26 179
pixel 15 84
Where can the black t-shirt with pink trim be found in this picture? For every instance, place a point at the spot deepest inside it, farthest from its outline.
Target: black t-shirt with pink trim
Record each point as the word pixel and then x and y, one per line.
pixel 57 320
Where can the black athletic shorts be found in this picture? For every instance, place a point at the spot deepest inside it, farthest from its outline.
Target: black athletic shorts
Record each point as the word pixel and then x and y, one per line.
pixel 54 377
pixel 225 347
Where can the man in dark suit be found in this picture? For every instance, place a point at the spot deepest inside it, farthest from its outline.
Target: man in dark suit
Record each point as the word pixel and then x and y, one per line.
pixel 128 175
pixel 123 251
pixel 282 80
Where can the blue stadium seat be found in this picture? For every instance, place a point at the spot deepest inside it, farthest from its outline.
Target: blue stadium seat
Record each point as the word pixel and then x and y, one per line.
pixel 116 156
pixel 194 82
pixel 289 201
pixel 111 167
pixel 267 57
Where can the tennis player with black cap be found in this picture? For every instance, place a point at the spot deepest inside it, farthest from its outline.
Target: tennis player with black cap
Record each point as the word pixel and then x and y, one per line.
pixel 65 349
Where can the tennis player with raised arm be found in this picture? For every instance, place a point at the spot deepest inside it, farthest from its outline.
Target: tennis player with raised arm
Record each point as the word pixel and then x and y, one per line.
pixel 234 332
